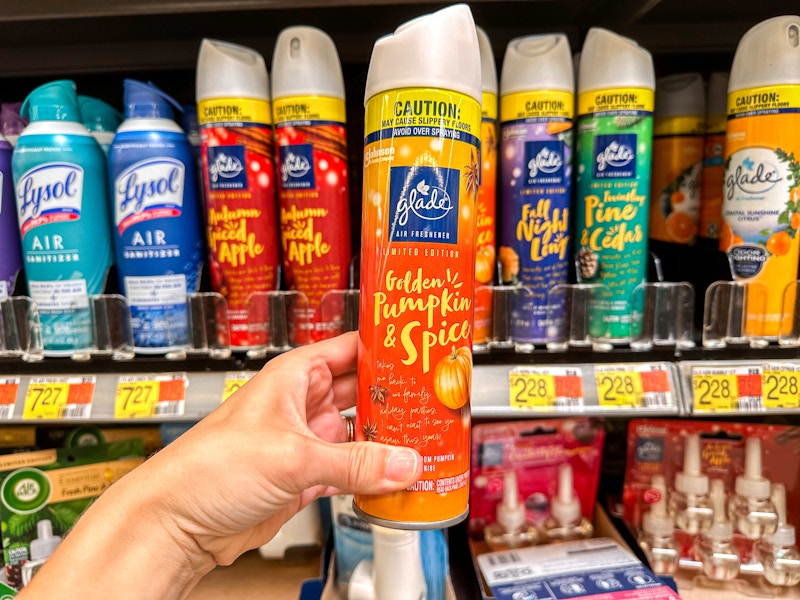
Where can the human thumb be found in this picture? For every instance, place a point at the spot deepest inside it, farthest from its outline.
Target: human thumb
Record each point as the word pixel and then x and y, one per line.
pixel 365 467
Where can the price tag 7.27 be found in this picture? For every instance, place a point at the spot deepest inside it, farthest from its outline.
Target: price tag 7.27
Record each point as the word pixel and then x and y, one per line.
pixel 233 381
pixel 59 397
pixel 149 396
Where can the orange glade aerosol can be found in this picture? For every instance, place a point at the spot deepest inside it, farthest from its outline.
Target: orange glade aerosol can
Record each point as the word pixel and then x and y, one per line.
pixel 485 240
pixel 421 175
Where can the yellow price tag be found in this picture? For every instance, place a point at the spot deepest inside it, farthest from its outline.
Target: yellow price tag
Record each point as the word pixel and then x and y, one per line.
pixel 715 390
pixel 532 389
pixel 143 397
pixel 58 397
pixel 618 386
pixel 233 381
pixel 781 385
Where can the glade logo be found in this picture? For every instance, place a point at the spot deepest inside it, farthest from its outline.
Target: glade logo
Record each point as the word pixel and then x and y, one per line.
pixel 616 155
pixel 650 449
pixel 225 166
pixel 431 203
pixel 547 161
pixel 156 182
pixel 295 166
pixel 51 187
pixel 751 172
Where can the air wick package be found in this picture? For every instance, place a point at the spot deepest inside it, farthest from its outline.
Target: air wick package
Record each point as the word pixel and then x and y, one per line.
pixel 43 493
pixel 533 483
pixel 711 502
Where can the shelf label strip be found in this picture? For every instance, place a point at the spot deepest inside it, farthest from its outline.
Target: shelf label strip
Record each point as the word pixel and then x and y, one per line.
pixel 148 396
pixel 59 397
pixel 9 387
pixel 538 388
pixel 727 389
pixel 234 380
pixel 633 385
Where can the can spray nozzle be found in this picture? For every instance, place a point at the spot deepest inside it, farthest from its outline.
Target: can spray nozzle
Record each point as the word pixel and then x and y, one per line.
pixel 54 101
pixel 565 506
pixel 691 480
pixel 751 484
pixel 148 101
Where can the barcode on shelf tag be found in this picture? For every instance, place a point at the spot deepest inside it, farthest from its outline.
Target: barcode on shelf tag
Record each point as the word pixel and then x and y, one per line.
pixel 503 558
pixel 143 396
pixel 9 387
pixel 538 388
pixel 727 389
pixel 633 385
pixel 780 385
pixel 234 380
pixel 59 397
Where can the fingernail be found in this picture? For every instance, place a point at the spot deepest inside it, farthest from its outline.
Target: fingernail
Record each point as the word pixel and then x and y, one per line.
pixel 402 465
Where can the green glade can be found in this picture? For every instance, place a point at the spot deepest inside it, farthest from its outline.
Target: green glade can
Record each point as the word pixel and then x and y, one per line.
pixel 616 85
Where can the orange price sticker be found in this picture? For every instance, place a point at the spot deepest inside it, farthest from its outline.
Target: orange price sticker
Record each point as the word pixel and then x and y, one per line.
pixel 59 398
pixel 147 396
pixel 545 388
pixel 233 381
pixel 9 387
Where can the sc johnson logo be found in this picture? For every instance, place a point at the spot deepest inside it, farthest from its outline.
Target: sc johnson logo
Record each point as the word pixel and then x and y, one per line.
pixel 297 166
pixel 751 172
pixel 226 168
pixel 424 204
pixel 615 156
pixel 545 163
pixel 377 155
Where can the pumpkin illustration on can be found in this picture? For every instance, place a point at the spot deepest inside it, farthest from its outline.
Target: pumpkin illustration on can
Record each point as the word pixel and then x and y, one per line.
pixel 452 380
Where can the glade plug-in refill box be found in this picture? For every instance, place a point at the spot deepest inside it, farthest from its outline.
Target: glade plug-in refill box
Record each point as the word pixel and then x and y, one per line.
pixel 595 568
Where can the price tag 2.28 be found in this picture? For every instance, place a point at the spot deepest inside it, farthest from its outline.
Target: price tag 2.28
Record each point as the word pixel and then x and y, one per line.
pixel 545 387
pixel 146 396
pixel 59 398
pixel 726 389
pixel 780 383
pixel 633 385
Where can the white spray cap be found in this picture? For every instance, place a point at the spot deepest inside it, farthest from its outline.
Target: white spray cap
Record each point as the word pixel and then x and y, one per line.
pixel 609 61
pixel 537 62
pixel 785 534
pixel 717 101
pixel 681 95
pixel 439 50
pixel 397 564
pixel 226 70
pixel 751 484
pixel 657 521
pixel 565 506
pixel 305 63
pixel 488 68
pixel 691 480
pixel 768 54
pixel 45 543
pixel 511 512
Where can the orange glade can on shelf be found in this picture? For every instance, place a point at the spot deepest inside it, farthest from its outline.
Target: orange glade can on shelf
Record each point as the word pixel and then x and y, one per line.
pixel 421 174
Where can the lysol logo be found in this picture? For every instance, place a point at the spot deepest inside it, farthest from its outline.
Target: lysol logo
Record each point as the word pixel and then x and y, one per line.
pixel 751 172
pixel 616 155
pixel 294 166
pixel 427 202
pixel 49 193
pixel 546 161
pixel 149 189
pixel 225 166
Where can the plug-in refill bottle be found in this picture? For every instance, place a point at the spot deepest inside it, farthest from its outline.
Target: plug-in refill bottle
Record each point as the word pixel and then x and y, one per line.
pixel 62 208
pixel 308 104
pixel 658 529
pixel 751 509
pixel 42 547
pixel 715 546
pixel 689 504
pixel 566 521
pixel 512 529
pixel 616 83
pixel 537 104
pixel 156 216
pixel 778 552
